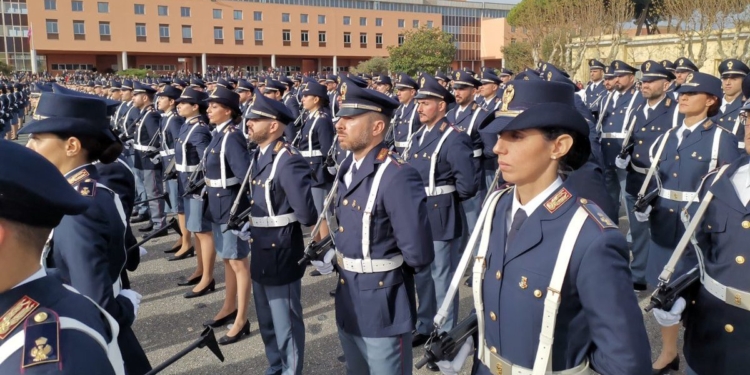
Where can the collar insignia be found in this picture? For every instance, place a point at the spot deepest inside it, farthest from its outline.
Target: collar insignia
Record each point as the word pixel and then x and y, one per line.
pixel 17 314
pixel 557 200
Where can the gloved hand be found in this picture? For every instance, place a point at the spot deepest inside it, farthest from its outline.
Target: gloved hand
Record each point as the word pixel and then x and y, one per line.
pixel 244 232
pixel 453 367
pixel 622 163
pixel 643 216
pixel 332 170
pixel 324 267
pixel 142 250
pixel 671 317
pixel 134 297
pixel 156 159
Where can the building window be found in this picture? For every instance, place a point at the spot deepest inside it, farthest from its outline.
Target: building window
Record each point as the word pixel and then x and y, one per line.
pixel 415 24
pixel 429 24
pixel 79 28
pixel 238 15
pixel 185 11
pixel 321 36
pixel 378 22
pixel 347 38
pixel 77 5
pixel 512 40
pixel 303 18
pixel 304 36
pixel 51 26
pixel 217 14
pixel 362 38
pixel 104 28
pixel 15 8
pixel 187 31
pixel 347 20
pixel 285 17
pixel 401 24
pixel 257 16
pixel 321 19
pixel 140 30
pixel 103 7
pixel 139 8
pixel 163 10
pixel 379 39
pixel 286 35
pixel 163 31
pixel 50 5
pixel 258 34
pixel 218 32
pixel 400 39
pixel 513 29
pixel 362 21
pixel 239 33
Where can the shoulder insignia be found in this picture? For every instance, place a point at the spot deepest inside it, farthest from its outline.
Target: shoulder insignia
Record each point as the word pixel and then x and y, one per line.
pixel 382 154
pixel 632 91
pixel 597 214
pixel 87 188
pixel 279 145
pixel 397 158
pixel 15 315
pixel 229 129
pixel 474 106
pixel 42 339
pixel 707 124
pixel 557 200
pixel 442 127
pixel 669 102
pixel 78 177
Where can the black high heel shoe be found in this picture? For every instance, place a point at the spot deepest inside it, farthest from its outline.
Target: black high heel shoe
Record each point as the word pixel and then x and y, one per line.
pixel 210 288
pixel 173 250
pixel 672 366
pixel 185 255
pixel 226 340
pixel 223 321
pixel 189 282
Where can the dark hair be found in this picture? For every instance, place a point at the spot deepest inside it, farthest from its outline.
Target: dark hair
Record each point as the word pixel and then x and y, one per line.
pixel 97 148
pixel 324 101
pixel 577 155
pixel 713 110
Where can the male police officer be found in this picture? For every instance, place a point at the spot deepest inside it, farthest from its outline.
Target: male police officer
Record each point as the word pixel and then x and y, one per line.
pixel 682 67
pixel 732 71
pixel 405 119
pixel 488 91
pixel 595 91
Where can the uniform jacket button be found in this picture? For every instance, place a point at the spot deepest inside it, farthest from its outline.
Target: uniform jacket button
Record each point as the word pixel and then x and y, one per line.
pixel 498 275
pixel 493 350
pixel 380 283
pixel 493 316
pixel 740 259
pixel 538 293
pixel 342 282
pixel 729 328
pixel 746 224
pixel 341 229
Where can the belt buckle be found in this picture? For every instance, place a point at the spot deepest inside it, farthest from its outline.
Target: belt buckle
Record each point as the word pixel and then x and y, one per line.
pixel 675 195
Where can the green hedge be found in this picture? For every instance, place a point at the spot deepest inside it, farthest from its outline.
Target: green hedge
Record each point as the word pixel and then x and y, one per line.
pixel 140 73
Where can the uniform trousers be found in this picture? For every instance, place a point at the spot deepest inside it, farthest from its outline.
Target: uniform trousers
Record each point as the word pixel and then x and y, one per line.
pixel 641 235
pixel 174 197
pixel 432 286
pixel 279 310
pixel 153 187
pixel 614 181
pixel 140 190
pixel 377 355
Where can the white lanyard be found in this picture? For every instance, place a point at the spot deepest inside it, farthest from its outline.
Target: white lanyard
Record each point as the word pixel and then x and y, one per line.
pixel 367 216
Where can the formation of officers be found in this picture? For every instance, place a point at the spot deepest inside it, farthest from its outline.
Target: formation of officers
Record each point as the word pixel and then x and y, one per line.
pixel 520 176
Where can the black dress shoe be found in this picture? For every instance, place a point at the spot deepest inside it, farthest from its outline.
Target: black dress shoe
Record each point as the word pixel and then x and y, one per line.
pixel 156 234
pixel 174 249
pixel 332 292
pixel 226 340
pixel 146 229
pixel 210 288
pixel 639 287
pixel 433 367
pixel 467 283
pixel 139 219
pixel 222 321
pixel 185 255
pixel 418 339
pixel 315 273
pixel 193 281
pixel 672 366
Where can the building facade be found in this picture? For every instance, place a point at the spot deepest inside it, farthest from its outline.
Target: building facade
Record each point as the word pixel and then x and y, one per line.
pixel 253 35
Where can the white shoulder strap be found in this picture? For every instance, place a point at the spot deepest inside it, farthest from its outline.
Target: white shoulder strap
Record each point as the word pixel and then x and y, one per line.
pixel 655 162
pixel 223 162
pixel 474 118
pixel 269 202
pixel 310 134
pixel 715 149
pixel 367 216
pixel 433 160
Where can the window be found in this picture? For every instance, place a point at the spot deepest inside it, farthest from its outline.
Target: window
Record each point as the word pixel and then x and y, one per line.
pixel 378 22
pixel 217 14
pixel 400 39
pixel 258 34
pixel 50 5
pixel 79 28
pixel 401 24
pixel 163 31
pixel 218 32
pixel 185 11
pixel 104 28
pixel 347 38
pixel 286 35
pixel 140 29
pixel 347 20
pixel 379 39
pixel 429 24
pixel 321 36
pixel 303 18
pixel 415 24
pixel 362 21
pixel 77 5
pixel 103 7
pixel 321 19
pixel 257 16
pixel 304 36
pixel 238 15
pixel 139 8
pixel 51 26
pixel 512 40
pixel 239 33
pixel 513 29
pixel 285 17
pixel 187 32
pixel 362 38
pixel 163 10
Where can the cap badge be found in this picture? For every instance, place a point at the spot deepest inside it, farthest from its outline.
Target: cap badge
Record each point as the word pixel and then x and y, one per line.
pixel 682 62
pixel 648 66
pixel 689 78
pixel 617 65
pixel 458 75
pixel 343 91
pixel 510 91
pixel 421 82
pixel 549 76
pixel 730 64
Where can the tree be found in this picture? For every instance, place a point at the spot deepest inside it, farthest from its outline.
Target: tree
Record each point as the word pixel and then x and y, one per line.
pixel 518 56
pixel 733 14
pixel 140 73
pixel 6 69
pixel 375 65
pixel 424 50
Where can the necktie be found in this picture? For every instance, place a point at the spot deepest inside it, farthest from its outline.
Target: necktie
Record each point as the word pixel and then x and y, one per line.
pixel 515 225
pixel 354 169
pixel 649 113
pixel 685 134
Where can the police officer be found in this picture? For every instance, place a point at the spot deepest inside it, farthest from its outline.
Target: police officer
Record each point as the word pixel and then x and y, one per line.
pixel 488 98
pixel 87 250
pixel 197 84
pixel 289 99
pixel 36 307
pixel 682 156
pixel 732 71
pixel 226 163
pixel 379 194
pixel 555 291
pixel 595 92
pixel 682 67
pixel 331 83
pixel 146 161
pixel 669 65
pixel 652 118
pixel 281 202
pixel 443 155
pixel 245 90
pixel 406 120
pixel 385 85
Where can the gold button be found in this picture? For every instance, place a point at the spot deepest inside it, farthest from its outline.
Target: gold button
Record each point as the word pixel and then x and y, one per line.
pixel 729 328
pixel 671 210
pixel 674 174
pixel 252 201
pixel 435 204
pixel 746 224
pixel 341 229
pixel 217 194
pixel 380 283
pixel 311 163
pixel 640 142
pixel 416 156
pixel 342 282
pixel 740 259
pixel 638 155
pixel 346 201
pixel 584 201
pixel 493 350
pixel 493 316
pixel 538 293
pixel 608 144
pixel 42 316
pixel 709 227
pixel 251 240
pixel 677 157
pixel 273 245
pixel 498 275
pixel 354 203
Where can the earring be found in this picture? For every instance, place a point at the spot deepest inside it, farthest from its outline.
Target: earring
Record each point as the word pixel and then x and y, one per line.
pixel 554 157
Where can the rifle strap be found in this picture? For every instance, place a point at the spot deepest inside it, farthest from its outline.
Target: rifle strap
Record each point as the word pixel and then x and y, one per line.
pixel 654 163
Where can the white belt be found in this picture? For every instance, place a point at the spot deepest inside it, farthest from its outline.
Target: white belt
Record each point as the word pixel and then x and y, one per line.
pixel 166 153
pixel 613 135
pixel 401 144
pixel 217 183
pixel 273 221
pixel 311 154
pixel 500 365
pixel 730 296
pixel 477 153
pixel 440 190
pixel 369 265
pixel 679 196
pixel 144 148
pixel 638 169
pixel 187 168
pixel 742 144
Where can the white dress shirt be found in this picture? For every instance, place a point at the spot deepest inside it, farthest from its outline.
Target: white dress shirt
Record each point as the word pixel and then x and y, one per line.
pixel 648 106
pixel 349 174
pixel 532 205
pixel 741 182
pixel 691 128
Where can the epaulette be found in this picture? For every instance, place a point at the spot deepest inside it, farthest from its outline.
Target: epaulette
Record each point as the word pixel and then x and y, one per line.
pixel 632 90
pixel 278 146
pixel 596 213
pixel 78 177
pixel 557 200
pixel 707 124
pixel 87 188
pixel 382 154
pixel 42 339
pixel 442 127
pixel 668 103
pixel 229 128
pixel 474 107
pixel 397 158
pixel 15 315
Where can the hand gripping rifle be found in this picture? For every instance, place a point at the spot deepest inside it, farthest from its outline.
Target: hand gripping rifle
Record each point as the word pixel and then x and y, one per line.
pixel 446 345
pixel 666 294
pixel 627 146
pixel 237 221
pixel 170 173
pixel 315 250
pixel 207 339
pixel 195 185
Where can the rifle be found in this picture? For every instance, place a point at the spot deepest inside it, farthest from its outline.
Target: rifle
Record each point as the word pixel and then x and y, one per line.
pixel 235 222
pixel 390 137
pixel 666 294
pixel 207 339
pixel 493 185
pixel 445 346
pixel 172 224
pixel 644 201
pixel 193 186
pixel 314 250
pixel 298 122
pixel 170 173
pixel 164 196
pixel 626 145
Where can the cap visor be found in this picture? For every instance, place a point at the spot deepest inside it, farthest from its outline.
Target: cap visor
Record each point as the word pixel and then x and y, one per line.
pixel 350 112
pixel 497 125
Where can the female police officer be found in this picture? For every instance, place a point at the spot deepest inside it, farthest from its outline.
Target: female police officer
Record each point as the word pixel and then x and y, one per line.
pixel 557 265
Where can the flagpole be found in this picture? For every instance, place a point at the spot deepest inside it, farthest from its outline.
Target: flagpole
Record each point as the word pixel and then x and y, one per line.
pixel 33 51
